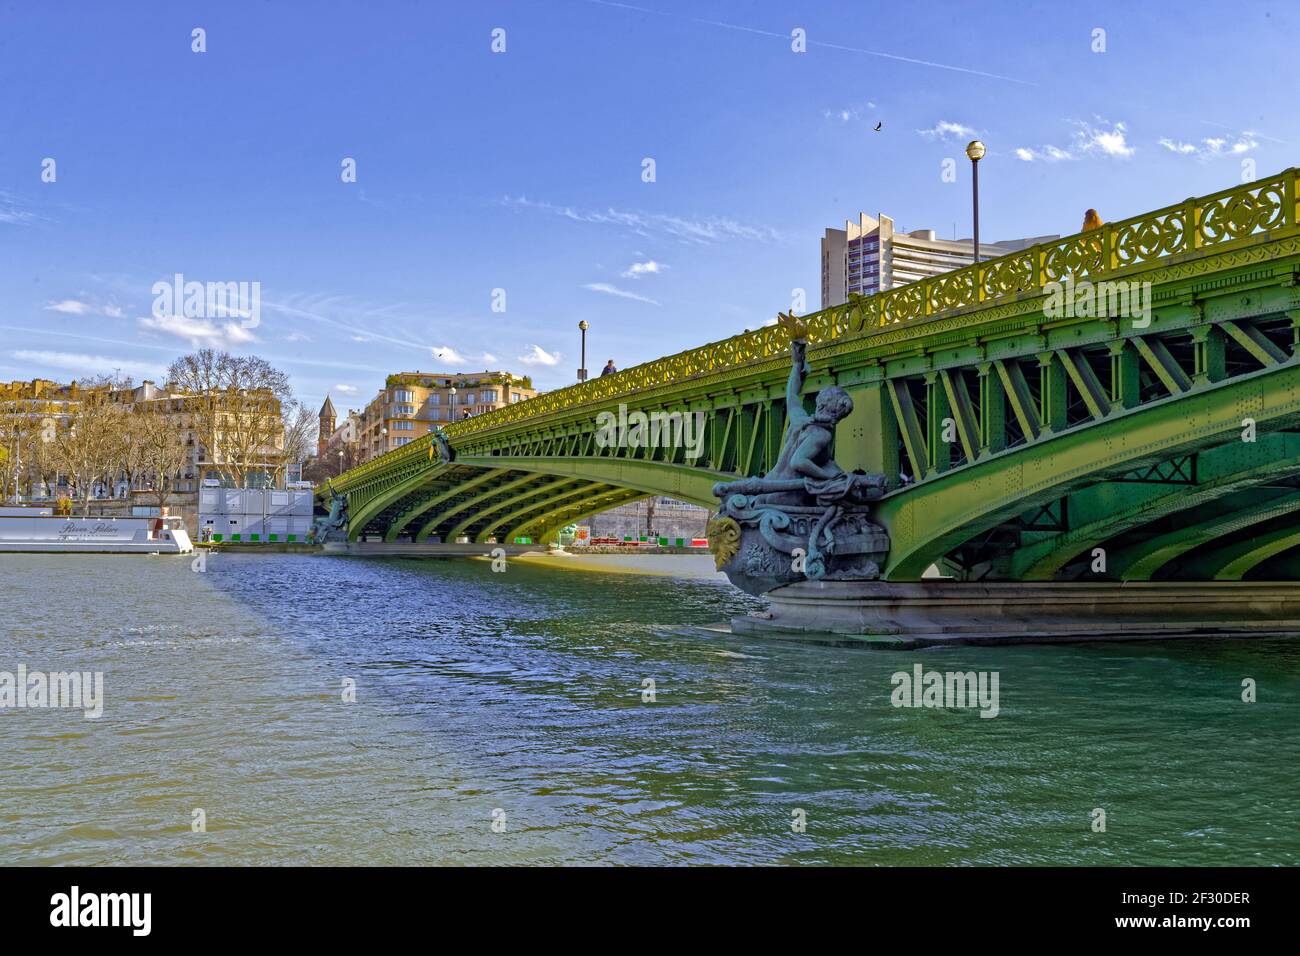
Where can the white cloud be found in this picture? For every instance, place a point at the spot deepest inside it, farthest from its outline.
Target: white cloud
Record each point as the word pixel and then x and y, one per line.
pixel 297 337
pixel 200 333
pixel 489 357
pixel 1212 147
pixel 341 313
pixel 946 130
pixel 539 356
pixel 69 307
pixel 699 230
pixel 12 211
pixel 77 307
pixel 1106 139
pixel 638 269
pixel 1047 154
pixel 88 364
pixel 845 114
pixel 346 389
pixel 1110 142
pixel 606 289
pixel 448 355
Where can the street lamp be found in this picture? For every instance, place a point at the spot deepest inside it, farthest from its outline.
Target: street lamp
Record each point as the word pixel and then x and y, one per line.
pixel 975 150
pixel 340 461
pixel 582 370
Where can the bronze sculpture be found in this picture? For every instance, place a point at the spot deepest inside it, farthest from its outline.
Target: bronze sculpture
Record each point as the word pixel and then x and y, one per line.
pixel 807 518
pixel 328 527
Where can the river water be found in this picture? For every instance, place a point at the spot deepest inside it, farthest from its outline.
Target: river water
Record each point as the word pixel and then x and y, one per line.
pixel 502 718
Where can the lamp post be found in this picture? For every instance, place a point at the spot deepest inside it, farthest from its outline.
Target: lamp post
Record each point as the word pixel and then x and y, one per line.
pixel 582 370
pixel 975 150
pixel 340 461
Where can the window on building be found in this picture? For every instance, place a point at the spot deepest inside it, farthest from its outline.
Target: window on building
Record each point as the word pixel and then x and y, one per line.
pixel 489 395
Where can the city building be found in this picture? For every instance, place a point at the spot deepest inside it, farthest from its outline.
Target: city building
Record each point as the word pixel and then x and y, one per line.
pixel 339 445
pixel 253 433
pixel 412 403
pixel 869 256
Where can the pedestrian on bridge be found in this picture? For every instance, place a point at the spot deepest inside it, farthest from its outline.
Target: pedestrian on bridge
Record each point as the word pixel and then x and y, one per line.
pixel 1091 220
pixel 609 368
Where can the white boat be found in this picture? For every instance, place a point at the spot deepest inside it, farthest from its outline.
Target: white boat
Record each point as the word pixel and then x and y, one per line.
pixel 39 529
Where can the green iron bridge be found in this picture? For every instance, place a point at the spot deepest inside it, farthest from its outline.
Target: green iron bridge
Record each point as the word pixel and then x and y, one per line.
pixel 1122 404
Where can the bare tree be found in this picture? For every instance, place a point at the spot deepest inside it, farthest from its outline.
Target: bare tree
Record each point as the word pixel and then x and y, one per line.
pixel 234 404
pixel 131 450
pixel 204 377
pixel 162 449
pixel 90 448
pixel 14 438
pixel 300 428
pixel 42 464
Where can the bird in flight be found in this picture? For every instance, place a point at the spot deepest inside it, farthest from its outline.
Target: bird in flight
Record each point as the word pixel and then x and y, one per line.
pixel 880 124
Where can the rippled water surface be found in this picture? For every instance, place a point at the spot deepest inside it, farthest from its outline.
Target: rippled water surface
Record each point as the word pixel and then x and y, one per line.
pixel 522 692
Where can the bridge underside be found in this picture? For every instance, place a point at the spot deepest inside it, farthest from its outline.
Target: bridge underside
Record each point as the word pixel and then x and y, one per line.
pixel 1188 475
pixel 456 502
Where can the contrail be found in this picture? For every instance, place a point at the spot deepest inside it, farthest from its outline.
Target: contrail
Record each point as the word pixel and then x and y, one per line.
pixel 829 46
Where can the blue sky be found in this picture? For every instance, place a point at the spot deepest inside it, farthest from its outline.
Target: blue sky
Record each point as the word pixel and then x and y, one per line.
pixel 522 170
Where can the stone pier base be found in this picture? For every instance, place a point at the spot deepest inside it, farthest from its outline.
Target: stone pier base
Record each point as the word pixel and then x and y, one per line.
pixel 950 612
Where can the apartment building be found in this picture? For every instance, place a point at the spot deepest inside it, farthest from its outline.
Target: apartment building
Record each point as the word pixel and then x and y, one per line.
pixel 251 431
pixel 412 403
pixel 870 256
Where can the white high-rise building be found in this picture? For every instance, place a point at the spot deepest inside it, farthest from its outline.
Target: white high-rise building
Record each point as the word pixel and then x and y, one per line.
pixel 868 256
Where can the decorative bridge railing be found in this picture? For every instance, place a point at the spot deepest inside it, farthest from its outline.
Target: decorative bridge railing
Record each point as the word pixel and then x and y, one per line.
pixel 1252 212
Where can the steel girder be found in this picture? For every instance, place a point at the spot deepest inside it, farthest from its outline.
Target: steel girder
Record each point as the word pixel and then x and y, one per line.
pixel 928 520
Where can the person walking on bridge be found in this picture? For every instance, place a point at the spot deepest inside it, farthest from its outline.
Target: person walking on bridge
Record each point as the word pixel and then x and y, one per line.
pixel 609 368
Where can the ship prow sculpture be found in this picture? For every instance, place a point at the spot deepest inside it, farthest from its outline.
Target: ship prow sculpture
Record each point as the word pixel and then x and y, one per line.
pixel 806 519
